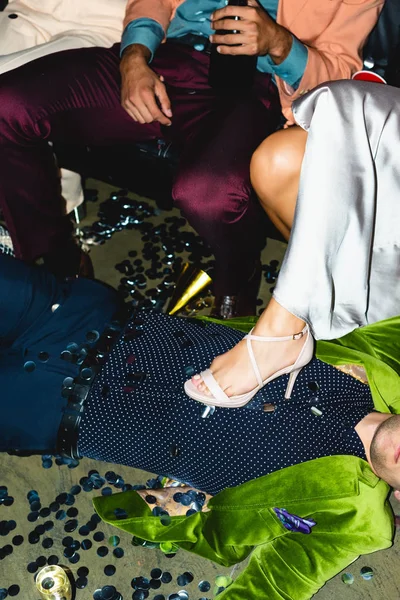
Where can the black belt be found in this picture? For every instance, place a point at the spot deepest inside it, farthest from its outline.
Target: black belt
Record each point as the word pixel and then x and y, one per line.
pixel 77 389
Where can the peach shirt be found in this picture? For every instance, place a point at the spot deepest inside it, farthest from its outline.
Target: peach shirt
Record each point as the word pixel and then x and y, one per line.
pixel 334 32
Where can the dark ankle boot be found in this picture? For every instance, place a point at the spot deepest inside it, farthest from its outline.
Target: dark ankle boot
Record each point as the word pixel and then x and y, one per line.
pixel 242 304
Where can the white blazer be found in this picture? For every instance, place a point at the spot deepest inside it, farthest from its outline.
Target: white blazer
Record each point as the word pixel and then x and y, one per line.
pixel 45 26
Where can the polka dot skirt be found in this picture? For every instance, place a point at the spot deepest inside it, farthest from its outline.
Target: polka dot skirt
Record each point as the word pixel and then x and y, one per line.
pixel 137 413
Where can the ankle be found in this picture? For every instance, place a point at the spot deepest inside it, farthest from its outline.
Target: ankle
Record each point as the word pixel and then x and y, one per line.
pixel 276 321
pixel 279 330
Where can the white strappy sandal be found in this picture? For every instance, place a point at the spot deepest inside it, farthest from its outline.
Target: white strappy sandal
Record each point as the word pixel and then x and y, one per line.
pixel 219 398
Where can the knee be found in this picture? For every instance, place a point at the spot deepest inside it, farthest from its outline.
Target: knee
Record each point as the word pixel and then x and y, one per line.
pixel 276 163
pixel 11 91
pixel 14 107
pixel 21 92
pixel 203 196
pixel 9 101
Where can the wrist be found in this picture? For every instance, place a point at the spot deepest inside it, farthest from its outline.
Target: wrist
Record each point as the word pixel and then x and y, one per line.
pixel 281 46
pixel 138 53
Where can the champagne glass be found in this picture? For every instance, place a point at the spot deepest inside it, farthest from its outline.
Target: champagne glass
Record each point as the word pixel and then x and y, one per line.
pixel 53 584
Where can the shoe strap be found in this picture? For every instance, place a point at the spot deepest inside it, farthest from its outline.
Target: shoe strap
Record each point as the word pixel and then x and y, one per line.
pixel 214 387
pixel 285 338
pixel 259 338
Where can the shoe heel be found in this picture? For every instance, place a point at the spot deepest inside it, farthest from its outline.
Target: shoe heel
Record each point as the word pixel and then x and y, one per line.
pixel 291 382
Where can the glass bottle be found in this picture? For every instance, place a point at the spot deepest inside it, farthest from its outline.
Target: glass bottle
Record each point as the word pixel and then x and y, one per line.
pixel 231 72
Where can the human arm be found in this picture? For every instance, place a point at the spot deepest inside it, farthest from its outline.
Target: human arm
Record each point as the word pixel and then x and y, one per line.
pixel 289 566
pixel 297 565
pixel 161 11
pixel 143 93
pixel 259 35
pixel 351 514
pixel 335 51
pixel 332 36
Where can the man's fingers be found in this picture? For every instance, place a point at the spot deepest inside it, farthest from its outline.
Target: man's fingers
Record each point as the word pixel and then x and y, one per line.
pixel 229 25
pixel 142 113
pixel 146 104
pixel 145 114
pixel 139 111
pixel 151 110
pixel 161 118
pixel 163 99
pixel 129 111
pixel 144 107
pixel 147 101
pixel 233 39
pixel 244 12
pixel 247 49
pixel 132 112
pixel 154 110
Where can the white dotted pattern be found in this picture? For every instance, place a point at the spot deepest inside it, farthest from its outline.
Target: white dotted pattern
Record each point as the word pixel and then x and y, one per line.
pixel 152 424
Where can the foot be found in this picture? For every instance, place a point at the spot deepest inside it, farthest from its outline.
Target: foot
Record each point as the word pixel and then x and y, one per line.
pixel 233 370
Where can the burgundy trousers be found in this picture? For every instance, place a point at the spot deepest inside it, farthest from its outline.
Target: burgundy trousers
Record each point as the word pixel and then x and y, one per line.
pixel 74 96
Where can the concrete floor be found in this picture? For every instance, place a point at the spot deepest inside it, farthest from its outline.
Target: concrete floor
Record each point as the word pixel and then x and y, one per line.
pixel 23 474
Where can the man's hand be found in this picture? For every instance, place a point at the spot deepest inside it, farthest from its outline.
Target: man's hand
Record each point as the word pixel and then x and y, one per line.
pixel 259 34
pixel 164 498
pixel 143 93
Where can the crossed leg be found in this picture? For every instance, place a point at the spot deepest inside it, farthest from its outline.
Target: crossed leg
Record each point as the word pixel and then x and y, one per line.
pixel 275 173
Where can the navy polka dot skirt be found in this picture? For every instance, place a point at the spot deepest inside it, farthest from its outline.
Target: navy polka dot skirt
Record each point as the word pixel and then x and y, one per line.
pixel 137 413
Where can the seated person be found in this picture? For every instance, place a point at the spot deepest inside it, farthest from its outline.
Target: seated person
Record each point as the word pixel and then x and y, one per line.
pixel 35 28
pixel 165 93
pixel 339 204
pixel 78 379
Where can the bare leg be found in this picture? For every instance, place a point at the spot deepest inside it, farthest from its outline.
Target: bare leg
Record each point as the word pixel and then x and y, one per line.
pixel 275 172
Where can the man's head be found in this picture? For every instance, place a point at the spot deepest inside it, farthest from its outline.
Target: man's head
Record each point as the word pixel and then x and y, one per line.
pixel 385 451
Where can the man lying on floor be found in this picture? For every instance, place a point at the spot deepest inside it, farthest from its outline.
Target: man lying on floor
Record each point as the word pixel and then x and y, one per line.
pixel 296 483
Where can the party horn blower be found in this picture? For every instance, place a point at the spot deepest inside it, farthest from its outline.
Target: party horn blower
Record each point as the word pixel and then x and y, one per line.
pixel 191 282
pixel 52 583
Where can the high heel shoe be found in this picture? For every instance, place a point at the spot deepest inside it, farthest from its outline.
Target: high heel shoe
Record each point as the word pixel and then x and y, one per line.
pixel 219 398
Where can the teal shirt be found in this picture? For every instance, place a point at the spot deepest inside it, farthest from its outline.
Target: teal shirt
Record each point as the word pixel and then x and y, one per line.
pixel 189 19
